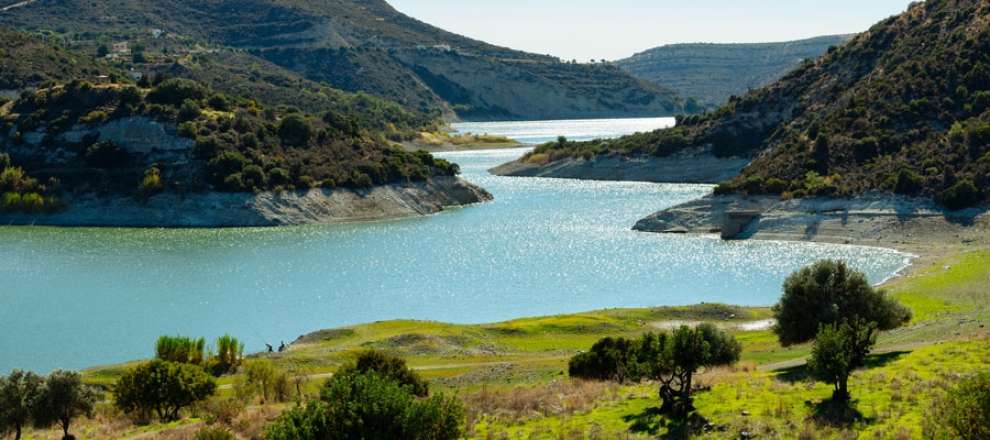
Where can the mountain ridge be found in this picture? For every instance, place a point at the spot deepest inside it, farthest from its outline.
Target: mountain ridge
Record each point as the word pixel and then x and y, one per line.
pixel 712 72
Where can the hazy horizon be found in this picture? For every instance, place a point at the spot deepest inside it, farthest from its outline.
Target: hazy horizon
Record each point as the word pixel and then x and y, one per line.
pixel 584 29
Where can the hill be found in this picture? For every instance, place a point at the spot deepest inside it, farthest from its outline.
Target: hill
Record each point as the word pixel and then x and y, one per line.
pixel 902 108
pixel 356 46
pixel 27 61
pixel 179 154
pixel 711 72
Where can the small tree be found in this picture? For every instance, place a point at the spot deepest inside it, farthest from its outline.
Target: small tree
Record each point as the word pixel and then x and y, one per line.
pixel 670 358
pixel 262 376
pixel 390 367
pixel 163 389
pixel 829 292
pixel 229 354
pixel 63 398
pixel 837 351
pixel 19 393
pixel 831 301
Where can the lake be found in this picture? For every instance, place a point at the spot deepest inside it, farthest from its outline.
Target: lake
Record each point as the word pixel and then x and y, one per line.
pixel 73 298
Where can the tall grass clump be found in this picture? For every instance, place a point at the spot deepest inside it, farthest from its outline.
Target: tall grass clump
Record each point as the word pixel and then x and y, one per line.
pixel 181 349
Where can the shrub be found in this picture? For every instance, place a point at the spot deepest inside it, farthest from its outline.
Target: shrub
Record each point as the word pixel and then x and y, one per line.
pixel 18 394
pixel 964 413
pixel 219 102
pixel 389 367
pixel 964 194
pixel 608 359
pixel 180 349
pixel 189 110
pixel 106 155
pixel 214 433
pixel 162 389
pixel 175 91
pixel 264 378
pixel 370 406
pixel 151 183
pixel 63 398
pixel 908 182
pixel 295 131
pixel 254 177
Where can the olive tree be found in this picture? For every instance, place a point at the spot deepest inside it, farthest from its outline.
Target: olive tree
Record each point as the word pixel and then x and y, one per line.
pixel 835 305
pixel 19 393
pixel 63 398
pixel 670 358
pixel 162 388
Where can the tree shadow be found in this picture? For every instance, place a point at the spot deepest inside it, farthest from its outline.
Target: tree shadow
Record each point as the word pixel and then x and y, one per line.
pixel 652 421
pixel 800 373
pixel 838 414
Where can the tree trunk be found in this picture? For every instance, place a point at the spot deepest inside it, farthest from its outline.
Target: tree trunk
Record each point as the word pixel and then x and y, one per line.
pixel 65 428
pixel 841 393
pixel 17 432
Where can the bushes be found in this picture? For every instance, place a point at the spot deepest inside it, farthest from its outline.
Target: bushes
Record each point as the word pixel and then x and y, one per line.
pixel 175 91
pixel 389 367
pixel 262 377
pixel 162 389
pixel 229 354
pixel 963 194
pixel 964 413
pixel 369 406
pixel 608 359
pixel 295 131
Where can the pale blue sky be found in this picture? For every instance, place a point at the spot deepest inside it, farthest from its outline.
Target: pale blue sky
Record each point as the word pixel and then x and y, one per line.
pixel 612 29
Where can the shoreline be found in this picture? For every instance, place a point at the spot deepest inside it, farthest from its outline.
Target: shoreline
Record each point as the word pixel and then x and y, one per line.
pixel 266 209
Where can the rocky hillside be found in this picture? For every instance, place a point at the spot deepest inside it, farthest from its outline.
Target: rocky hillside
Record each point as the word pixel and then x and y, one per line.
pixel 711 73
pixel 179 154
pixel 355 46
pixel 902 108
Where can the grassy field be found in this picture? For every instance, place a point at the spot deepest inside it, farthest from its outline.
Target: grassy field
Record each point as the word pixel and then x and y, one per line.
pixel 444 141
pixel 512 375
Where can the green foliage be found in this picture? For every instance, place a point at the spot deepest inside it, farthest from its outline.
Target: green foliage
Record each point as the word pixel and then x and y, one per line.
pixel 370 407
pixel 20 393
pixel 64 397
pixel 151 183
pixel 669 358
pixel 175 91
pixel 181 349
pixel 829 292
pixel 837 351
pixel 189 110
pixel 608 359
pixel 262 377
pixel 214 433
pixel 963 194
pixel 295 131
pixel 964 413
pixel 162 389
pixel 230 353
pixel 388 367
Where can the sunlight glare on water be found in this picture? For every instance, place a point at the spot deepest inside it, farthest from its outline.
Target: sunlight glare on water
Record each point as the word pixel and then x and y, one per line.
pixel 78 297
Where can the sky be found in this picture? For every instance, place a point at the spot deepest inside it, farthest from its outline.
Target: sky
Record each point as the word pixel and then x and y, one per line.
pixel 613 29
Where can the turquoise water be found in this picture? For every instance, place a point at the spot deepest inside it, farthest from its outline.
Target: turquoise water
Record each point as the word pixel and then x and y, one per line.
pixel 72 298
pixel 538 132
